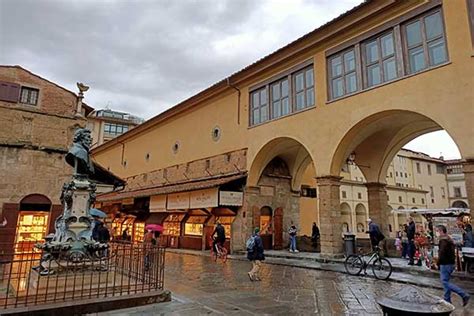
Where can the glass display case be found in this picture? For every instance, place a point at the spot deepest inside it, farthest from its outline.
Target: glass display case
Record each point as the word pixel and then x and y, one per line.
pixel 31 227
pixel 138 231
pixel 194 225
pixel 172 225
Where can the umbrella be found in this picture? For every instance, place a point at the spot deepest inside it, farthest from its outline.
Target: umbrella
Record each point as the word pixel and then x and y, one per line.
pixel 97 213
pixel 154 227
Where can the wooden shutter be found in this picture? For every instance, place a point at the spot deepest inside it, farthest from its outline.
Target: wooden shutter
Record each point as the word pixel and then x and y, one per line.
pixel 9 92
pixel 7 234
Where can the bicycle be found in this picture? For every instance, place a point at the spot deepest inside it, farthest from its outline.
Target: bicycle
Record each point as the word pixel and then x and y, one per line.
pixel 381 267
pixel 221 252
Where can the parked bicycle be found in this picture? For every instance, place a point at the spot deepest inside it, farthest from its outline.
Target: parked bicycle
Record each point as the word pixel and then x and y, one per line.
pixel 220 254
pixel 381 267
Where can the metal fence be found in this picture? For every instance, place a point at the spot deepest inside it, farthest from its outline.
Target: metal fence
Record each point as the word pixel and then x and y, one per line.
pixel 122 269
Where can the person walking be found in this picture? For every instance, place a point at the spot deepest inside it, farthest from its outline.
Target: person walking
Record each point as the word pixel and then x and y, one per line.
pixel 315 234
pixel 218 237
pixel 468 238
pixel 404 241
pixel 411 229
pixel 255 254
pixel 375 234
pixel 446 261
pixel 292 232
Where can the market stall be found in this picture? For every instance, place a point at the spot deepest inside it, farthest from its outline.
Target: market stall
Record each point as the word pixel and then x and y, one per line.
pixel 172 230
pixel 193 237
pixel 226 217
pixel 31 228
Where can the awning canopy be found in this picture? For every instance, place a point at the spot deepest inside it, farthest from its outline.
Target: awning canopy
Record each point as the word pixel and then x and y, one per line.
pixel 170 188
pixel 425 211
pixel 103 175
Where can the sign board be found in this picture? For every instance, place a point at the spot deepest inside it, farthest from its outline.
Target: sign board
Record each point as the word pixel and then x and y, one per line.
pixel 157 203
pixel 229 198
pixel 127 201
pixel 451 225
pixel 204 198
pixel 178 201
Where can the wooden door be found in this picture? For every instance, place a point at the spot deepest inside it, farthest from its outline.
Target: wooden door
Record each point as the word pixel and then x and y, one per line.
pixel 278 229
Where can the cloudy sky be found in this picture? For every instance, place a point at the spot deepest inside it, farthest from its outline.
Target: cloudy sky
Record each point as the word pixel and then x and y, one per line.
pixel 145 56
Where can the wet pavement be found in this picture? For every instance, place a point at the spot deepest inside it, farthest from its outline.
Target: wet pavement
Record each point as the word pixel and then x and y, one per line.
pixel 203 287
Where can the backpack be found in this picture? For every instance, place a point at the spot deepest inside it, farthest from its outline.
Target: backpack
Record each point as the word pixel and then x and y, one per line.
pixel 250 244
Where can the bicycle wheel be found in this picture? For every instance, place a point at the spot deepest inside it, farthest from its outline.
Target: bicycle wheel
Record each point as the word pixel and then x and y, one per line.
pixel 224 254
pixel 354 264
pixel 382 268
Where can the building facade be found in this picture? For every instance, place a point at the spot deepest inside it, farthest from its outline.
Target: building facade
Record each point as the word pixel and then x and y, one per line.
pixel 107 124
pixel 38 120
pixel 360 86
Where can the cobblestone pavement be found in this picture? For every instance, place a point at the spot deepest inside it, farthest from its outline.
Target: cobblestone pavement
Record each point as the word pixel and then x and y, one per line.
pixel 203 287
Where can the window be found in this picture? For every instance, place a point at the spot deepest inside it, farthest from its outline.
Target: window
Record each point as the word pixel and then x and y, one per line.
pixel 418 167
pixel 9 91
pixel 424 42
pixel 439 169
pixel 342 73
pixel 406 175
pixel 29 96
pixel 303 83
pixel 344 195
pixel 431 192
pixel 443 192
pixel 396 173
pixel 259 106
pixel 359 196
pixel 413 200
pixel 422 201
pixel 308 192
pixel 290 93
pixel 380 62
pixel 429 169
pixel 280 98
pixel 115 129
pixel 454 169
pixel 457 191
pixel 391 174
pixel 400 199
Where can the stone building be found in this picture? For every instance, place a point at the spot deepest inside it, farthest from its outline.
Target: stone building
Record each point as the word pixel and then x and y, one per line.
pixel 107 124
pixel 362 86
pixel 38 119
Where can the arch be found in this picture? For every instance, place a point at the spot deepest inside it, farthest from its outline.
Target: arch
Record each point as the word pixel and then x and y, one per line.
pixel 361 217
pixel 35 199
pixel 296 156
pixel 361 209
pixel 376 139
pixel 346 217
pixel 345 208
pixel 459 204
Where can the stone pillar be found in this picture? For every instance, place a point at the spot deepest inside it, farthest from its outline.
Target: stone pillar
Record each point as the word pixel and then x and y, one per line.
pixel 330 215
pixel 468 169
pixel 378 205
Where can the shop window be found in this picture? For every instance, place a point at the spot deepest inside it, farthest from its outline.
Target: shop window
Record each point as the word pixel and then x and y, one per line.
pixel 194 225
pixel 344 194
pixel 172 225
pixel 29 96
pixel 380 60
pixel 342 73
pixel 425 43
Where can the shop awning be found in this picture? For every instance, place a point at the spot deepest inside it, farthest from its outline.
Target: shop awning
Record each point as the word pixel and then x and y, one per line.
pixel 206 183
pixel 426 211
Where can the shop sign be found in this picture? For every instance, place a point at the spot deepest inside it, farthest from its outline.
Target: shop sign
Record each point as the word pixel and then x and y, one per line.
pixel 178 201
pixel 127 201
pixel 231 198
pixel 157 203
pixel 204 198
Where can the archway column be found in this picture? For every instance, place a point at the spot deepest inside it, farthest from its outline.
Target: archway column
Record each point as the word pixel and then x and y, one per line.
pixel 468 169
pixel 378 205
pixel 330 215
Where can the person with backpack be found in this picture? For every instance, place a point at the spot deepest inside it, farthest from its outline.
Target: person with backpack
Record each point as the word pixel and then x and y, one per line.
pixel 255 254
pixel 375 234
pixel 292 232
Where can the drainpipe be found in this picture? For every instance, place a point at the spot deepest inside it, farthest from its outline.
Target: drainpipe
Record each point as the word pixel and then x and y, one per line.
pixel 238 101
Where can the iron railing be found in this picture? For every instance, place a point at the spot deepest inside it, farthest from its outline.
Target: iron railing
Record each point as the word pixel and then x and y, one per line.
pixel 122 269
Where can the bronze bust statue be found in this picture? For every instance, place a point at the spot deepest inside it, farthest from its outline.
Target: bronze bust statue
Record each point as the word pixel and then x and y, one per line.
pixel 78 155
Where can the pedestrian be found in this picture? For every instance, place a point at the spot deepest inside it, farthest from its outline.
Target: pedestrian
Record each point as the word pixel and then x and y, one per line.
pixel 218 237
pixel 404 241
pixel 103 233
pixel 446 261
pixel 314 234
pixel 468 238
pixel 255 254
pixel 411 229
pixel 148 242
pixel 292 232
pixel 375 234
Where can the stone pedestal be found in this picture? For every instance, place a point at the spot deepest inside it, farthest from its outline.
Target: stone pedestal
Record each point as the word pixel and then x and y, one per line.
pixel 378 205
pixel 468 169
pixel 330 215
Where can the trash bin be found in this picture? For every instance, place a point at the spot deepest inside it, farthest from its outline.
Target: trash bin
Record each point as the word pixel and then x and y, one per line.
pixel 349 244
pixel 414 302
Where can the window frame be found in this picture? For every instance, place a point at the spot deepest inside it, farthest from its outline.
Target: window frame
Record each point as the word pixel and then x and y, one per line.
pixel 344 74
pixel 267 86
pixel 29 91
pixel 424 41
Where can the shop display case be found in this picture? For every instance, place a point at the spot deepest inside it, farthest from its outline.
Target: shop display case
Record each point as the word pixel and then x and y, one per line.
pixel 172 225
pixel 194 225
pixel 31 227
pixel 226 221
pixel 138 231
